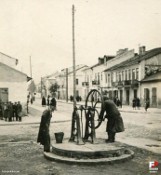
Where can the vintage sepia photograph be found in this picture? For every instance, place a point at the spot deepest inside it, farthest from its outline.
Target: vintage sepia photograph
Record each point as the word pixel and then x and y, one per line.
pixel 80 84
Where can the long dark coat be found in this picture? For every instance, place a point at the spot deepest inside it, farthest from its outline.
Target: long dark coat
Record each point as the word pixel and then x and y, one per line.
pixel 43 134
pixel 115 123
pixel 43 101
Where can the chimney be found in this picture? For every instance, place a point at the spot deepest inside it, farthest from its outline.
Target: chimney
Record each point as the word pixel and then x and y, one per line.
pixel 142 50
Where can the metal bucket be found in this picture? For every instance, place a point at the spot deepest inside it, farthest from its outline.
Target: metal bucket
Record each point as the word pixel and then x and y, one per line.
pixel 59 137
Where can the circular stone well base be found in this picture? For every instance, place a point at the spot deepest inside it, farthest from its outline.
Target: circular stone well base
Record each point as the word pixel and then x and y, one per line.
pixel 70 152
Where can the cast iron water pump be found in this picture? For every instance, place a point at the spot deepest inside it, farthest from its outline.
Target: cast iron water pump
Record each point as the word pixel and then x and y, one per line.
pixel 92 108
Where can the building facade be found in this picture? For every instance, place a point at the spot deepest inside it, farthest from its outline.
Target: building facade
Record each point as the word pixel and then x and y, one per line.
pixel 126 76
pixel 13 84
pixel 127 79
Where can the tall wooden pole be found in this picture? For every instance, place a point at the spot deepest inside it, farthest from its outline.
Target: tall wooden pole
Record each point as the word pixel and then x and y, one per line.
pixel 74 72
pixel 66 84
pixel 30 67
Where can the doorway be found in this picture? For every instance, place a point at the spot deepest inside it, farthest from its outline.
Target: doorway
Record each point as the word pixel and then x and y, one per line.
pixel 127 97
pixel 135 93
pixel 4 94
pixel 121 94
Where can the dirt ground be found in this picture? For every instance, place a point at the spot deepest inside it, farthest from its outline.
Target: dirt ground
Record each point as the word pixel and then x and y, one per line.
pixel 20 154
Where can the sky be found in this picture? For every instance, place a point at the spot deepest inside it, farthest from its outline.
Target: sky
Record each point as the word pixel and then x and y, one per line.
pixel 42 30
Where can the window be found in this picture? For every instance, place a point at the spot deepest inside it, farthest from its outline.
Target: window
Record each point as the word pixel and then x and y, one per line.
pixel 77 82
pixel 137 73
pixel 129 74
pixel 119 76
pixel 125 74
pixel 122 75
pixel 108 78
pixel 133 74
pixel 154 97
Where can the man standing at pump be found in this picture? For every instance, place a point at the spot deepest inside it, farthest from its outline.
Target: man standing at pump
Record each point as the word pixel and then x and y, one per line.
pixel 114 120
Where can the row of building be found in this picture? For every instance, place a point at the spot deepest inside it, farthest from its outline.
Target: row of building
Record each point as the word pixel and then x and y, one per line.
pixel 126 75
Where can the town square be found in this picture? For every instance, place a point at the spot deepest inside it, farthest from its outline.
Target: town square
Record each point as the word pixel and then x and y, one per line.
pixel 80 87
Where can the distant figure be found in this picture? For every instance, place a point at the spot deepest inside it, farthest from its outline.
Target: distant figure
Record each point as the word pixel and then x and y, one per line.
pixel 71 98
pixel 28 100
pixel 44 134
pixel 77 98
pixel 43 101
pixel 53 102
pixel 15 111
pixel 19 111
pixel 80 98
pixel 134 103
pixel 115 123
pixel 5 111
pixel 10 111
pixel 138 103
pixel 147 104
pixel 48 100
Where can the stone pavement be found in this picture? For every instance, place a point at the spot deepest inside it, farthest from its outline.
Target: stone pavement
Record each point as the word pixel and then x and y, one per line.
pixel 148 144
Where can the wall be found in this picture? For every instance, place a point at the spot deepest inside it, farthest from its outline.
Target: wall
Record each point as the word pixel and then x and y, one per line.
pixel 120 58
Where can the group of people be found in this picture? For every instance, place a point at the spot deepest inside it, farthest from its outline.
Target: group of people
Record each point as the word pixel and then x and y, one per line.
pixel 78 98
pixel 10 111
pixel 51 100
pixel 136 103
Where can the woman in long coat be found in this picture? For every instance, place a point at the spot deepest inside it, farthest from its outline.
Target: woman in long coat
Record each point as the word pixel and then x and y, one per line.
pixel 115 123
pixel 43 101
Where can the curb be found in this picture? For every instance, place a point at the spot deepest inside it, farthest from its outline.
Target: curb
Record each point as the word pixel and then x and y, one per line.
pixel 52 157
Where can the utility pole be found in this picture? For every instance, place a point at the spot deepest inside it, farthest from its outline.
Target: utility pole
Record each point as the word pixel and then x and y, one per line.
pixel 66 84
pixel 30 68
pixel 41 87
pixel 74 72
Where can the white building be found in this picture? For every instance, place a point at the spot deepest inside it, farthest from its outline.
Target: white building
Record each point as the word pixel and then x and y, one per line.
pixel 13 84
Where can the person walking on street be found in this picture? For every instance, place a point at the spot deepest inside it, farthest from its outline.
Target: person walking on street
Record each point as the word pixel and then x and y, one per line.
pixel 15 111
pixel 146 104
pixel 19 111
pixel 138 103
pixel 10 111
pixel 53 102
pixel 48 100
pixel 115 123
pixel 6 111
pixel 43 103
pixel 43 134
pixel 134 103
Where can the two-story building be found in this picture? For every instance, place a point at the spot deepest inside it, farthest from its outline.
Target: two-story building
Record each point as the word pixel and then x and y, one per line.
pixel 128 80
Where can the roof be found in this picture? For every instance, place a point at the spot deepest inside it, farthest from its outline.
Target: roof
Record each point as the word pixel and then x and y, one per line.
pixel 51 76
pixel 101 60
pixel 79 68
pixel 153 77
pixel 7 56
pixel 2 64
pixel 136 59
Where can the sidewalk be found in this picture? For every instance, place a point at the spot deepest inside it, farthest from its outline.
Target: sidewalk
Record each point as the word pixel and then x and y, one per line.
pixel 125 108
